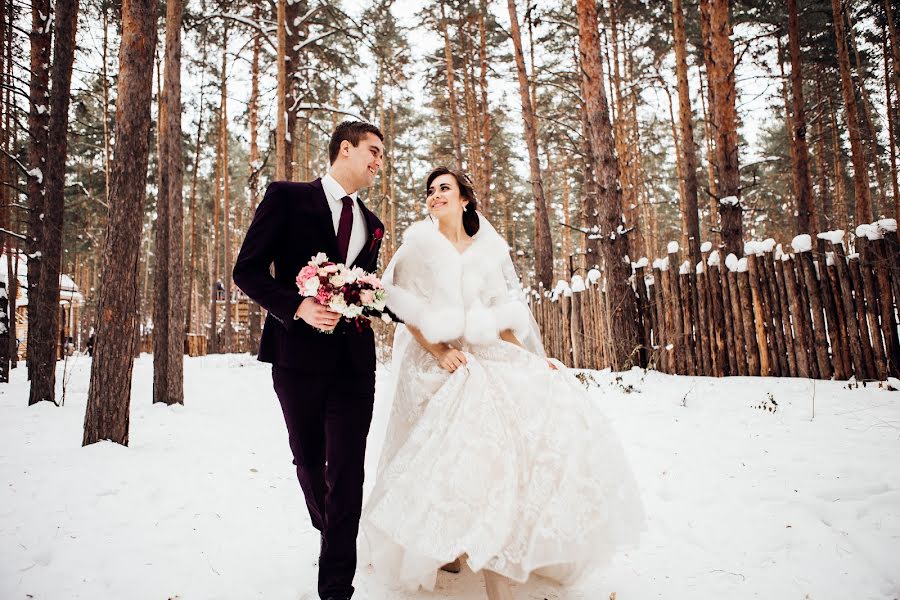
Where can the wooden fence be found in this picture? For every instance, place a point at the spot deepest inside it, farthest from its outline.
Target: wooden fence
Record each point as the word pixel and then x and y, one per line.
pixel 814 313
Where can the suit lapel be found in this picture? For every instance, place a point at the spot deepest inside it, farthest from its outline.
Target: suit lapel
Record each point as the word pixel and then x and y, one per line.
pixel 371 245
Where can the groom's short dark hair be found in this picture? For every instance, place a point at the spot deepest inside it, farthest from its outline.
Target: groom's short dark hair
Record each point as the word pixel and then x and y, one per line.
pixel 353 132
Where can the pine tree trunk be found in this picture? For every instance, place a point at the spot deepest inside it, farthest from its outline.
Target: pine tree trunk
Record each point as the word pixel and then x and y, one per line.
pixel 109 394
pixel 168 340
pixel 227 330
pixel 485 200
pixel 451 90
pixel 720 67
pixel 625 337
pixel 281 150
pixel 892 141
pixel 543 245
pixel 38 125
pixel 253 180
pixel 863 199
pixel 46 334
pixel 806 221
pixel 688 147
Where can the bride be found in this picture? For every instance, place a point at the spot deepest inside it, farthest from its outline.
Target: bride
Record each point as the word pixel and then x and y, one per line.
pixel 493 453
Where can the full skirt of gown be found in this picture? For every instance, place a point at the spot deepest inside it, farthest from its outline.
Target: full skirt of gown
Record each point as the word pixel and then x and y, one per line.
pixel 506 462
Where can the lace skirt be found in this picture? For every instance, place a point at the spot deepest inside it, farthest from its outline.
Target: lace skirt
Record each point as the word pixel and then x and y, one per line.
pixel 506 462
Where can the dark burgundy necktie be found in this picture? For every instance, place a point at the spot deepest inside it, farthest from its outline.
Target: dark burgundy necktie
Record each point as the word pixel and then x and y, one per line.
pixel 345 225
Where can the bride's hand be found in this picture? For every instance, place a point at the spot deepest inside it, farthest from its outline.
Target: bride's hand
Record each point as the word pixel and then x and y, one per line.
pixel 552 366
pixel 450 358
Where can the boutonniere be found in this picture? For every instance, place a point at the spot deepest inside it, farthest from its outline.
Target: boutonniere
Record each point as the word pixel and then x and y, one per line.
pixel 376 238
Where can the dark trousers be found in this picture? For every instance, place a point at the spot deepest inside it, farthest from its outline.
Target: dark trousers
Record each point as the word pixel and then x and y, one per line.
pixel 327 418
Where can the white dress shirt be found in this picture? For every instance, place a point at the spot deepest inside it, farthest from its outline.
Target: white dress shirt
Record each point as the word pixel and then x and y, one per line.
pixel 334 193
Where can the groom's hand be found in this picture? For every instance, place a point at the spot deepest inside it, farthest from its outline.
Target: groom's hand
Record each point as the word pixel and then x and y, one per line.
pixel 317 315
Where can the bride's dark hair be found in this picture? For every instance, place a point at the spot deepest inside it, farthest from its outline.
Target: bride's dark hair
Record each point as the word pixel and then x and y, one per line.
pixel 466 190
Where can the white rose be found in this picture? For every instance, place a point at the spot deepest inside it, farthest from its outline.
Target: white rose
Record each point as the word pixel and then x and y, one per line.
pixel 318 259
pixel 311 286
pixel 336 280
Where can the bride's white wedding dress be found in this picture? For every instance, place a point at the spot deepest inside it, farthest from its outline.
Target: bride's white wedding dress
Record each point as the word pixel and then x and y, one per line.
pixel 505 461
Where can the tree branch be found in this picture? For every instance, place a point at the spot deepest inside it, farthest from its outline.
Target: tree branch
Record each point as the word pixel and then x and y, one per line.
pixel 18 236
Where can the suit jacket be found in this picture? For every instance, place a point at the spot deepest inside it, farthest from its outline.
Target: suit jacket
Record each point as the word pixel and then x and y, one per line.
pixel 291 225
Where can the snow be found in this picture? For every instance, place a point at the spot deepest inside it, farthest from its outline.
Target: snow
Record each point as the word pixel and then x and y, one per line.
pixel 730 201
pixel 888 225
pixel 661 263
pixel 752 247
pixel 699 268
pixel 869 231
pixel 713 259
pixel 802 243
pixel 742 502
pixel 577 284
pixel 835 237
pixel 731 261
pixel 593 276
pixel 705 246
pixel 672 247
pixel 742 265
pixel 767 245
pixel 779 251
pixel 829 259
pixel 36 173
pixel 685 268
pixel 641 263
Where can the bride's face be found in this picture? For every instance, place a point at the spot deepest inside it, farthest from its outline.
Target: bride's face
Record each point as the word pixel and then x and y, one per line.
pixel 444 200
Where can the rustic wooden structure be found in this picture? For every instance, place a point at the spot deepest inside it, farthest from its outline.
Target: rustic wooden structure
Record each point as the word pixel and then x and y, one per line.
pixel 820 313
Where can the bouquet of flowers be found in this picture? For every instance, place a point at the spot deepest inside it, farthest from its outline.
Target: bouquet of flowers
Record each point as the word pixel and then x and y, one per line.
pixel 351 292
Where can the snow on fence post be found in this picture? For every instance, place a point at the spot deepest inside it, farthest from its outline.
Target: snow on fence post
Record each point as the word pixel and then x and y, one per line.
pixel 737 315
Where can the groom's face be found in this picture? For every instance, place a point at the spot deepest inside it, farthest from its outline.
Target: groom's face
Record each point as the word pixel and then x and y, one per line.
pixel 364 159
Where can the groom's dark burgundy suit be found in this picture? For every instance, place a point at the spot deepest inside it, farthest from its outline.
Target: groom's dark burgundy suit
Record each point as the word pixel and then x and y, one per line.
pixel 325 383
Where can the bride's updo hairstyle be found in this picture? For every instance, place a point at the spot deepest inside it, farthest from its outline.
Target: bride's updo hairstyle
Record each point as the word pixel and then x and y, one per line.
pixel 466 190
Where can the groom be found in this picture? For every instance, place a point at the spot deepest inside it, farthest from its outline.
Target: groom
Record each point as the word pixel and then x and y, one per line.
pixel 324 382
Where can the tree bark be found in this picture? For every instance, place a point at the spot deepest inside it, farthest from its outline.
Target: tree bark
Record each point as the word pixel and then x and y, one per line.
pixel 228 329
pixel 281 132
pixel 38 126
pixel 863 199
pixel 688 147
pixel 806 222
pixel 255 166
pixel 46 333
pixel 892 141
pixel 451 90
pixel 614 247
pixel 109 394
pixel 723 96
pixel 543 245
pixel 168 306
pixel 487 164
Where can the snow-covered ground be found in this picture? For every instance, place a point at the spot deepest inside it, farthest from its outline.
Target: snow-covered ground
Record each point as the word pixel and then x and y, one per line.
pixel 743 502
